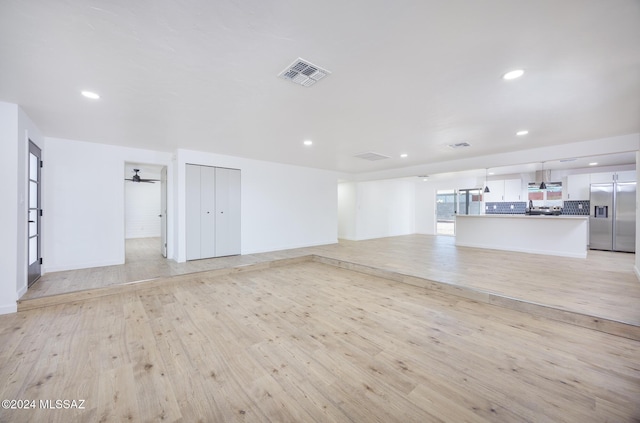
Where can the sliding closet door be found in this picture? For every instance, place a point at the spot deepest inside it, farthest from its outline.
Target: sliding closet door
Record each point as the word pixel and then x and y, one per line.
pixel 212 212
pixel 192 209
pixel 227 192
pixel 207 212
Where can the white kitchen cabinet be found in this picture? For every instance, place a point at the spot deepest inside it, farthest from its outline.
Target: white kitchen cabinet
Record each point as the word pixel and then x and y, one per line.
pixel 212 206
pixel 578 187
pixel 496 191
pixel 504 190
pixel 626 176
pixel 602 177
pixel 622 176
pixel 513 190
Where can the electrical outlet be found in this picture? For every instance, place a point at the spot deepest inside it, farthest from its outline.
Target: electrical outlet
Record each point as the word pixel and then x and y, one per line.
pixel 579 206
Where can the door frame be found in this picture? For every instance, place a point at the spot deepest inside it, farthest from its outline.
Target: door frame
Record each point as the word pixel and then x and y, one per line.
pixel 166 223
pixel 163 211
pixel 34 215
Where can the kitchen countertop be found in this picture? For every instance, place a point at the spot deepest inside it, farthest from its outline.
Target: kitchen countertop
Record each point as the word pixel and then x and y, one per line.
pixel 524 216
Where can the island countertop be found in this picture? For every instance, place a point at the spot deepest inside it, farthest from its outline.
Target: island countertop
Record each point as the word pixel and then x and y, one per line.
pixel 526 216
pixel 562 235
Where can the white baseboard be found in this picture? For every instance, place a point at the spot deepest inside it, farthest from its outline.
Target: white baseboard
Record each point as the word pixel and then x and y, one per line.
pixel 288 247
pixel 76 266
pixel 22 291
pixel 637 272
pixel 9 308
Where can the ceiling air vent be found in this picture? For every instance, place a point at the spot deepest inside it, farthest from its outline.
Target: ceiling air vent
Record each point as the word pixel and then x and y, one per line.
pixel 460 145
pixel 371 156
pixel 303 73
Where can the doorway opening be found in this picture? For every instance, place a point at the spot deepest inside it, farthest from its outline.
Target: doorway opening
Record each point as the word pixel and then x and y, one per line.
pixel 446 209
pixel 145 212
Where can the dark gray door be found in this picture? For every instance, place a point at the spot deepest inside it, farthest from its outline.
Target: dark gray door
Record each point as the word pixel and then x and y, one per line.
pixel 35 214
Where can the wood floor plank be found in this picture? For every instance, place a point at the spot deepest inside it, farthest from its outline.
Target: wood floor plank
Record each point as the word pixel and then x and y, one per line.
pixel 311 342
pixel 604 285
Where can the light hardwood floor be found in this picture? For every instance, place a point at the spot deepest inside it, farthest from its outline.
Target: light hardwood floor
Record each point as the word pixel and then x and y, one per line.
pixel 603 286
pixel 310 342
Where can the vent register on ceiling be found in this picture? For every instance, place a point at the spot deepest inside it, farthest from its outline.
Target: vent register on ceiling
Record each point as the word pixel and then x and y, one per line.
pixel 303 73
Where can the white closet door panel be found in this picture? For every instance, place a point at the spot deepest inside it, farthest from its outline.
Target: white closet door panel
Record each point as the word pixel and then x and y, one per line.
pixel 192 212
pixel 227 212
pixel 208 211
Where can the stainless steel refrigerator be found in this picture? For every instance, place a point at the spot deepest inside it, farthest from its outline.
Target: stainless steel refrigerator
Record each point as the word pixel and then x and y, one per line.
pixel 612 222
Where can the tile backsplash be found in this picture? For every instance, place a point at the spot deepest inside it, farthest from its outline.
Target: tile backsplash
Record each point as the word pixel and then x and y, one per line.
pixel 515 207
pixel 576 208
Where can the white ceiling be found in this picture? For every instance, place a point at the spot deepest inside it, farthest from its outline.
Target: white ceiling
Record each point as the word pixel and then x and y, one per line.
pixel 407 76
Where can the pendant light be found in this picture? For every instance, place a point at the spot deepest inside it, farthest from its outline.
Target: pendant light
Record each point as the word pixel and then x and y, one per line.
pixel 542 184
pixel 486 176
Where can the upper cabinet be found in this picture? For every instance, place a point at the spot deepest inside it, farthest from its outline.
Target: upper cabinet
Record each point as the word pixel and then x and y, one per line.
pixel 496 191
pixel 513 190
pixel 504 190
pixel 578 186
pixel 604 177
pixel 626 176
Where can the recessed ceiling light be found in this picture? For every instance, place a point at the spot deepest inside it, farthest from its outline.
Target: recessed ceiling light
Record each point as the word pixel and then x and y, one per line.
pixel 593 164
pixel 90 94
pixel 308 142
pixel 403 155
pixel 523 132
pixel 492 173
pixel 517 73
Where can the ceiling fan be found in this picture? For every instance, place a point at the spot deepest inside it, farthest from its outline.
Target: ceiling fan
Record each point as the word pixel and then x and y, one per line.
pixel 137 178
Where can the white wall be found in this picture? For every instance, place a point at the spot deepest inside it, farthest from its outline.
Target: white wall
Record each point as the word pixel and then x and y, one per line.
pixel 282 206
pixel 637 262
pixel 9 211
pixel 347 192
pixel 15 130
pixel 27 130
pixel 142 207
pixel 376 209
pixel 84 202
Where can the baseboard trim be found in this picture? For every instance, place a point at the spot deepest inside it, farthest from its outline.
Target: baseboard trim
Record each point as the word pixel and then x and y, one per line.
pixel 8 308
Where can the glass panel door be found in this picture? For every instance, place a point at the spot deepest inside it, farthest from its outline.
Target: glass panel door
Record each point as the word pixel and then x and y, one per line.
pixel 34 214
pixel 445 212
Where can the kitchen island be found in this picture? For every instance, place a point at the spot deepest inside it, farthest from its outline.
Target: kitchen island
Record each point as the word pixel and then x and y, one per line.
pixel 565 236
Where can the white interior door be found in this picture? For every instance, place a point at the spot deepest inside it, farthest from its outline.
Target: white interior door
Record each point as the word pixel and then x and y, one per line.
pixel 227 223
pixel 163 212
pixel 207 211
pixel 192 209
